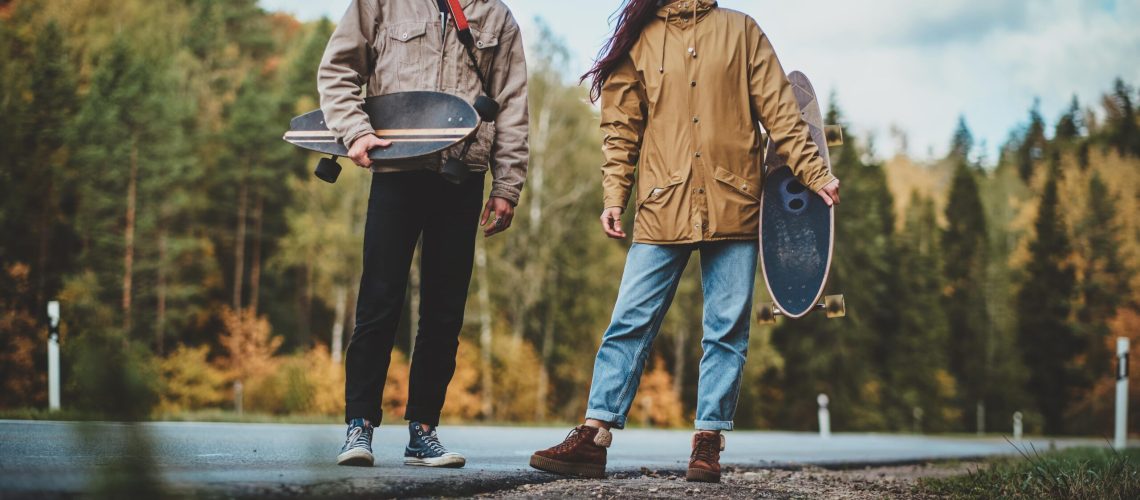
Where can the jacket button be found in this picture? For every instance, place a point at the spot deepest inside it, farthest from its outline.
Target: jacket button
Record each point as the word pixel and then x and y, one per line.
pixel 404 36
pixel 701 190
pixel 693 83
pixel 479 44
pixel 696 119
pixel 698 154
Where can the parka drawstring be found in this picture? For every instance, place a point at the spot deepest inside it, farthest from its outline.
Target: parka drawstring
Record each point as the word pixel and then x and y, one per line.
pixel 664 40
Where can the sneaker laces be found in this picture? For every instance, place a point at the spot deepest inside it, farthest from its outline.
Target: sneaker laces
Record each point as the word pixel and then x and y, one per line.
pixel 357 437
pixel 432 442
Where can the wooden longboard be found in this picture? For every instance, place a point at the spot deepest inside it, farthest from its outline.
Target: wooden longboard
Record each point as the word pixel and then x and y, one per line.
pixel 797 228
pixel 418 124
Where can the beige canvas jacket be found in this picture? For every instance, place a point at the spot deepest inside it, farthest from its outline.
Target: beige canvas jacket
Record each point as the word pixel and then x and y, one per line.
pixel 682 114
pixel 401 45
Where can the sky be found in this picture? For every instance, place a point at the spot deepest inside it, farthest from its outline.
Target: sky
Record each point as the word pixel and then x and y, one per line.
pixel 903 64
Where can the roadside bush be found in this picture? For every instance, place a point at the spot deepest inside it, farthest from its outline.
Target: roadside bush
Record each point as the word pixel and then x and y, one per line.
pixel 656 404
pixel 114 378
pixel 190 382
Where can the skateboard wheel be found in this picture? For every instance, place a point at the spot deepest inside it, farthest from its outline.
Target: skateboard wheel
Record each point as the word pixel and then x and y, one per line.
pixel 328 170
pixel 766 313
pixel 487 108
pixel 455 171
pixel 835 306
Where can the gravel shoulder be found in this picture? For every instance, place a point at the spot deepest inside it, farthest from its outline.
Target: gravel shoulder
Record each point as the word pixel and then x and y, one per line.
pixel 792 483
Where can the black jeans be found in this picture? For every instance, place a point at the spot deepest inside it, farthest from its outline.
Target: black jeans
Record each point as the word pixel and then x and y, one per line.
pixel 402 207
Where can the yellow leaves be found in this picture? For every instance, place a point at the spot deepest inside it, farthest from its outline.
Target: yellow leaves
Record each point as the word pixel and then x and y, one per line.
pixel 464 398
pixel 248 344
pixel 656 404
pixel 190 381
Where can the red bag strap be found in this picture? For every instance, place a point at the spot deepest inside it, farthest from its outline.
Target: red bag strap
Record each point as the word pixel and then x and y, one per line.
pixel 461 25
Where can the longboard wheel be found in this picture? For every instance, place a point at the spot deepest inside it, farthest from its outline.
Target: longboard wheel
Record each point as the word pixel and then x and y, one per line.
pixel 328 170
pixel 455 171
pixel 487 108
pixel 834 134
pixel 835 306
pixel 766 313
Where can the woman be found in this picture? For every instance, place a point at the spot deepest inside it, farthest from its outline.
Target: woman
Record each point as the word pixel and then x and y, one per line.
pixel 682 85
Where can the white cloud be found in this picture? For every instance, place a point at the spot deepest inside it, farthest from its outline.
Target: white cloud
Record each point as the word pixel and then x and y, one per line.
pixel 915 64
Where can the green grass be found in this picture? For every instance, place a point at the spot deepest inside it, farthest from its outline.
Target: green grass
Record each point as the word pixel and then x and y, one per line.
pixel 1078 473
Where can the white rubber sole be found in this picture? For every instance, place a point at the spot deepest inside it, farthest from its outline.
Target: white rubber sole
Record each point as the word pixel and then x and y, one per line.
pixel 355 457
pixel 451 460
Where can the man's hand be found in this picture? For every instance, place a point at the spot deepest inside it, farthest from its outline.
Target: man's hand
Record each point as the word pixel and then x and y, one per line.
pixel 504 213
pixel 830 193
pixel 358 153
pixel 611 223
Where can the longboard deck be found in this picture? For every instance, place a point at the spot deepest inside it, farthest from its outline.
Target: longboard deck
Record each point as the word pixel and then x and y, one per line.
pixel 797 228
pixel 418 123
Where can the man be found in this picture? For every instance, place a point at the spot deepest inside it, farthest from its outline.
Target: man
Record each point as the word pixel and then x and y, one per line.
pixel 682 85
pixel 403 45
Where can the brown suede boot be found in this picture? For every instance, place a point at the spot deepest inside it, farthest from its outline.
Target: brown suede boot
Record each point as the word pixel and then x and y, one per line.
pixel 582 453
pixel 704 463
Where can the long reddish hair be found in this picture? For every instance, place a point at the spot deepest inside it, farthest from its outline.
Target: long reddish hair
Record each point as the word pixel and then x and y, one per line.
pixel 632 17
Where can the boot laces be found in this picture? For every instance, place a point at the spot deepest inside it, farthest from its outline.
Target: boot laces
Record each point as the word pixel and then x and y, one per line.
pixel 707 449
pixel 572 440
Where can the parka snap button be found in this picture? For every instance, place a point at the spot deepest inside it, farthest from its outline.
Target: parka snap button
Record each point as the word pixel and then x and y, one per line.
pixel 479 44
pixel 693 83
pixel 698 154
pixel 404 36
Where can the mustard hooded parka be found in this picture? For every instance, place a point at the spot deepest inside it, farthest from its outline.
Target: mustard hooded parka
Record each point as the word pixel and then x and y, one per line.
pixel 682 112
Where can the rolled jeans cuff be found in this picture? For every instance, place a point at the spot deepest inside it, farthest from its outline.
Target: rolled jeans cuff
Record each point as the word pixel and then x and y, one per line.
pixel 615 420
pixel 713 425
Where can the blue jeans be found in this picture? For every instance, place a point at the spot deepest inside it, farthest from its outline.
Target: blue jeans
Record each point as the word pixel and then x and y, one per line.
pixel 652 272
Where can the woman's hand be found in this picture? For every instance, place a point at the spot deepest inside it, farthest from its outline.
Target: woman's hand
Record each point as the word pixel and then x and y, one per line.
pixel 611 223
pixel 830 193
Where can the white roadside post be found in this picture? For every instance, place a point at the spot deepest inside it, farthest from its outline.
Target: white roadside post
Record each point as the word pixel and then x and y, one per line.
pixel 1121 393
pixel 824 416
pixel 53 355
pixel 1017 426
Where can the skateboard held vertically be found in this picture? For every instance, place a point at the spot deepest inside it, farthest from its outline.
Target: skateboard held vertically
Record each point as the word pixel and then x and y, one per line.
pixel 797 228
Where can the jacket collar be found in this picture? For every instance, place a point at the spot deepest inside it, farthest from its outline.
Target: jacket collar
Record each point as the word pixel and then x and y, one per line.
pixel 684 9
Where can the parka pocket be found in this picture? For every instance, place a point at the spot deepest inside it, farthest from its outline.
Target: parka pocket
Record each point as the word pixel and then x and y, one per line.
pixel 738 185
pixel 734 204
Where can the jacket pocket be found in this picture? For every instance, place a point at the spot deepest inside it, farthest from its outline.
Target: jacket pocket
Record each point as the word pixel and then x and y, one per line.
pixel 749 190
pixel 479 154
pixel 486 45
pixel 734 205
pixel 407 56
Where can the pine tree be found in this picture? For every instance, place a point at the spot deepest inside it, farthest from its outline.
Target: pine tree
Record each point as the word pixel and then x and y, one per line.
pixel 1124 134
pixel 1031 148
pixel 917 366
pixel 964 247
pixel 1043 305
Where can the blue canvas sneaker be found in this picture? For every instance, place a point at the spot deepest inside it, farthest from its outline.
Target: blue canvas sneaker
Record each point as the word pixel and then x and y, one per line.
pixel 424 449
pixel 357 449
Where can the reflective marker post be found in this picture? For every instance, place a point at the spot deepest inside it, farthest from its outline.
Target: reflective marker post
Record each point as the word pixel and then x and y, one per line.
pixel 824 416
pixel 1121 393
pixel 53 355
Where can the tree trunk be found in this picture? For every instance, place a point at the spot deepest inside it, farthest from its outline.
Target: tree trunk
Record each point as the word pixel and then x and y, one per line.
pixel 255 266
pixel 679 359
pixel 239 244
pixel 160 319
pixel 485 347
pixel 337 348
pixel 129 234
pixel 543 389
pixel 306 299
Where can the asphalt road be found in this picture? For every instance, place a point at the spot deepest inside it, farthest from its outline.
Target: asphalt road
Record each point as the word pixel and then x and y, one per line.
pixel 46 459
